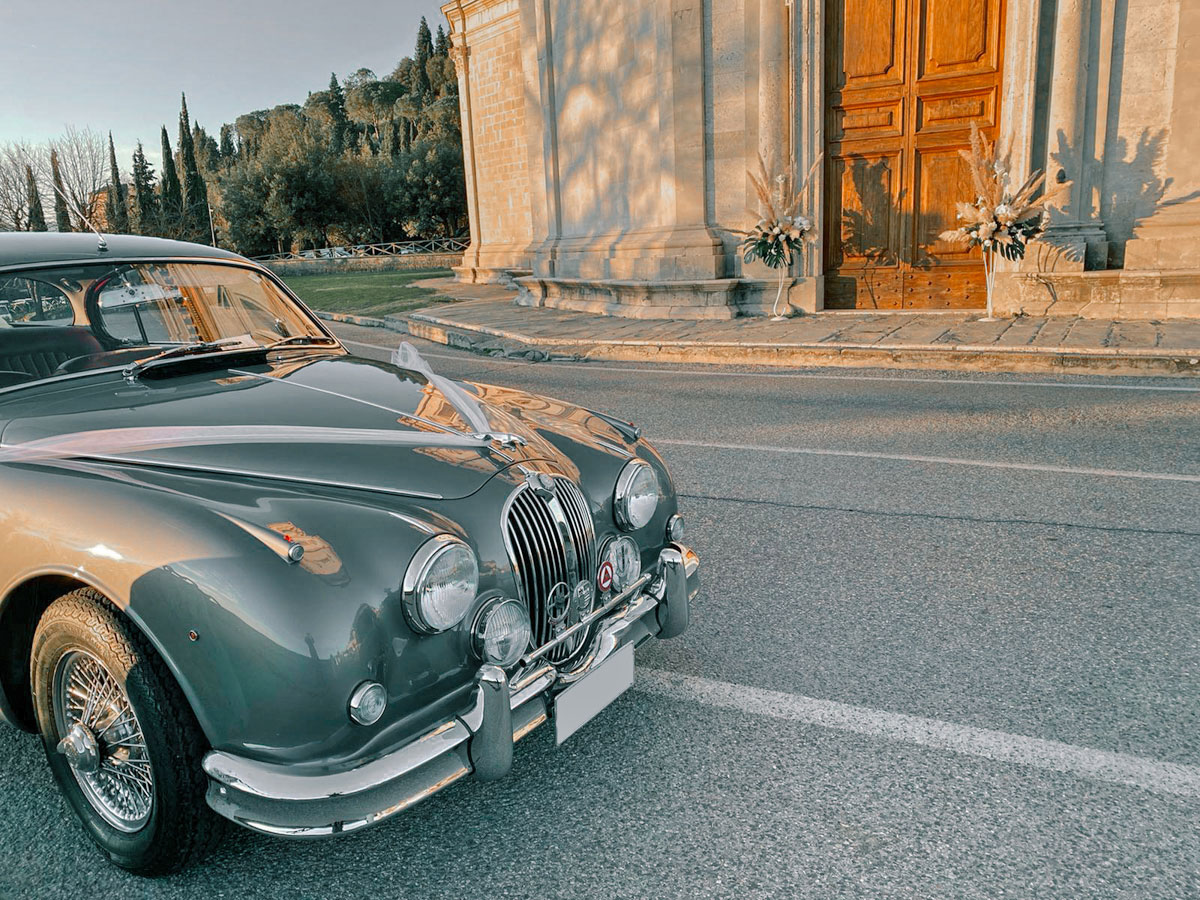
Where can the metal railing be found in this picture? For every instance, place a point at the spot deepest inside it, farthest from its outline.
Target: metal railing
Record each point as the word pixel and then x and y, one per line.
pixel 394 248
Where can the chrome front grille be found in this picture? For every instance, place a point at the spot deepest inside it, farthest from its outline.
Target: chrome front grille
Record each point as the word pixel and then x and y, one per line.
pixel 551 540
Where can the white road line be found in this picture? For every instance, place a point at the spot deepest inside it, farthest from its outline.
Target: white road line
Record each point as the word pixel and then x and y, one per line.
pixel 1055 756
pixel 818 376
pixel 943 460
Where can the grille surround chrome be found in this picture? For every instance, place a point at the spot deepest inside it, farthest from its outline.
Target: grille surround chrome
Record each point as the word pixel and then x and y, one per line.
pixel 550 537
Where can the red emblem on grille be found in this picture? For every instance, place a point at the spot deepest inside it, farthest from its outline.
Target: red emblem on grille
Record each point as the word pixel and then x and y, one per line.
pixel 604 577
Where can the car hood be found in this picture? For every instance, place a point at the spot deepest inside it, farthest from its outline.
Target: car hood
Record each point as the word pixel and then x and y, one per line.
pixel 335 420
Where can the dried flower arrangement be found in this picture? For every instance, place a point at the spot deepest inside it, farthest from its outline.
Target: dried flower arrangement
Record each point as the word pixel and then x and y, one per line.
pixel 1000 221
pixel 781 228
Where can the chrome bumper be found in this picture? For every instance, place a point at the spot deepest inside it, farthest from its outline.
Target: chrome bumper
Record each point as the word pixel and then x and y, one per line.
pixel 276 800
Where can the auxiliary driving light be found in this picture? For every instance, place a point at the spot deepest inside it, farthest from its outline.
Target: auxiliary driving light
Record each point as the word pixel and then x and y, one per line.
pixel 368 702
pixel 502 632
pixel 626 561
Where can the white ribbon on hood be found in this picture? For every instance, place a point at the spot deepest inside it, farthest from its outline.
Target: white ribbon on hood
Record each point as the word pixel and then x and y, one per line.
pixel 112 442
pixel 406 356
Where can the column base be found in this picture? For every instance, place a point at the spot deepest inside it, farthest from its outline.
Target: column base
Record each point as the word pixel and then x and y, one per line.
pixel 715 298
pixel 683 253
pixel 1111 294
pixel 1170 239
pixel 1068 248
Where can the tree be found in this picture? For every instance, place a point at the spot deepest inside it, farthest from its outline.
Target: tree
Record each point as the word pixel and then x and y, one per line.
pixel 194 191
pixel 62 216
pixel 14 195
pixel 441 46
pixel 83 164
pixel 145 204
pixel 436 189
pixel 117 212
pixel 225 148
pixel 424 52
pixel 340 122
pixel 36 216
pixel 170 199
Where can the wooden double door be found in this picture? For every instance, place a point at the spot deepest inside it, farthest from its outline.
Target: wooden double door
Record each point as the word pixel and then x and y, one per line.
pixel 904 80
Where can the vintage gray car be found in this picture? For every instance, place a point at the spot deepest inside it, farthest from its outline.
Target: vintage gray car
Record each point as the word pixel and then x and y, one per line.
pixel 245 571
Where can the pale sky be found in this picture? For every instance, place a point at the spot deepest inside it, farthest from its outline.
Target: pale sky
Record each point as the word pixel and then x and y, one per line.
pixel 120 65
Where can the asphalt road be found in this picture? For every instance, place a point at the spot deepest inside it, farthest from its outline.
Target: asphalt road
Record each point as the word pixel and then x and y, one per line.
pixel 948 647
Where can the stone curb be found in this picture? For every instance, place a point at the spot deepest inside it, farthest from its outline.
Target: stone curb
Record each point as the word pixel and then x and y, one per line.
pixel 982 357
pixel 392 323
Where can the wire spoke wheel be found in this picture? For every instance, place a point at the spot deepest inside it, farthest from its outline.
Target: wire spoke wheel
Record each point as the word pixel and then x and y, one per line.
pixel 102 740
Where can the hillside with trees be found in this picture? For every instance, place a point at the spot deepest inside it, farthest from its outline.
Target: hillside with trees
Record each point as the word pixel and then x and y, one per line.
pixel 367 159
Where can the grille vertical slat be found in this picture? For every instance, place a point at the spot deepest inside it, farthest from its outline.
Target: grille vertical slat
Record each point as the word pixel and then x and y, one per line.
pixel 536 544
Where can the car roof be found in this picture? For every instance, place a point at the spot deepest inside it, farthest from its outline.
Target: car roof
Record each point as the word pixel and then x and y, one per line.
pixel 34 248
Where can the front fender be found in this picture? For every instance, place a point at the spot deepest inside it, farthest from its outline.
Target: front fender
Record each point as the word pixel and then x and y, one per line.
pixel 266 652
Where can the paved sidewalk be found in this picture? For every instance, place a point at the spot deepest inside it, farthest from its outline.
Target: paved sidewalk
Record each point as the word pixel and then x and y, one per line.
pixel 486 320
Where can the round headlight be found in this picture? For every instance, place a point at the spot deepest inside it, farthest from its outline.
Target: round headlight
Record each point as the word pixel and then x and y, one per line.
pixel 636 496
pixel 502 633
pixel 368 702
pixel 440 584
pixel 626 561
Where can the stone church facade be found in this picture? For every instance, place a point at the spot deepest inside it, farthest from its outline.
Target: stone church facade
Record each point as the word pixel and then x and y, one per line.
pixel 607 144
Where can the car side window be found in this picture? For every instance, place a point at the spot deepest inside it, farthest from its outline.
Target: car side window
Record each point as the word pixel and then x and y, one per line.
pixel 27 301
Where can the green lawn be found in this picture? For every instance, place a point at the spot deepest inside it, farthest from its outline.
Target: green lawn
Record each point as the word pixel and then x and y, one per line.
pixel 366 293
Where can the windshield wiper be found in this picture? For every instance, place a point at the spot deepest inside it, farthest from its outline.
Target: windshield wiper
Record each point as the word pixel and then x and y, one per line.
pixel 301 340
pixel 132 370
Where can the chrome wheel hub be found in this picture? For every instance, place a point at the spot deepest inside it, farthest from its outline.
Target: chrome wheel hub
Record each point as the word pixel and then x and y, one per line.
pixel 103 741
pixel 80 749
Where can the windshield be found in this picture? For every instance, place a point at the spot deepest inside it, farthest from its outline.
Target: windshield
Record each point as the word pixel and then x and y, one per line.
pixel 76 318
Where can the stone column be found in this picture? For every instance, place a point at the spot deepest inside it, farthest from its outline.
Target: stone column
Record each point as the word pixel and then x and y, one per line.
pixel 1170 238
pixel 773 98
pixel 461 54
pixel 1076 230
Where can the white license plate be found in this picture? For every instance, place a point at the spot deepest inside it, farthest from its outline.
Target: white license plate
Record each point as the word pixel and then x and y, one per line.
pixel 579 703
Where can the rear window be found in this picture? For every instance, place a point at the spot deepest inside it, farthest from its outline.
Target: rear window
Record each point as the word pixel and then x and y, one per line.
pixel 30 301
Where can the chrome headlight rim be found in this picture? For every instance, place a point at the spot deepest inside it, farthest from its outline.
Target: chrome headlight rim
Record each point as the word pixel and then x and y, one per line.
pixel 418 569
pixel 621 512
pixel 479 630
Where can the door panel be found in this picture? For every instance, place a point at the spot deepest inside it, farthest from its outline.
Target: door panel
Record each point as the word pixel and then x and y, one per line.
pixel 871 52
pixel 905 79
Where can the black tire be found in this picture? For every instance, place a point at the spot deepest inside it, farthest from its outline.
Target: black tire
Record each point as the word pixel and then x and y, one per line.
pixel 181 828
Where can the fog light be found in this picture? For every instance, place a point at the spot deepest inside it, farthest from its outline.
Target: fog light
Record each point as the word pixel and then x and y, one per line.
pixel 502 633
pixel 675 528
pixel 626 561
pixel 368 702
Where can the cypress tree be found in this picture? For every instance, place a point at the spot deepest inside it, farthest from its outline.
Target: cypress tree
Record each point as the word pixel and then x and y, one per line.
pixel 195 194
pixel 145 205
pixel 62 215
pixel 225 148
pixel 171 193
pixel 441 46
pixel 37 216
pixel 117 211
pixel 420 84
pixel 337 112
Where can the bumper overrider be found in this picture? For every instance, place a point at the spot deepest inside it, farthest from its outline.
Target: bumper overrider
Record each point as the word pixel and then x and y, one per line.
pixel 276 800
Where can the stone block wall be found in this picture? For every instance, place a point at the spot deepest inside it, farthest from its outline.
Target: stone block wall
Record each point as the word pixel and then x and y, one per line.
pixel 486 35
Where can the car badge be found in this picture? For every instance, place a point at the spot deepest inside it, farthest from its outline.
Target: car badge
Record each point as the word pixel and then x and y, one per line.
pixel 604 578
pixel 558 605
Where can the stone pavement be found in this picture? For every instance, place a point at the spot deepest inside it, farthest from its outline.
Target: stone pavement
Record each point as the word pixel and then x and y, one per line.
pixel 485 319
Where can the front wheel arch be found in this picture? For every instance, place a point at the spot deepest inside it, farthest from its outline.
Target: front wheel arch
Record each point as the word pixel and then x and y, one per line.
pixel 20 613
